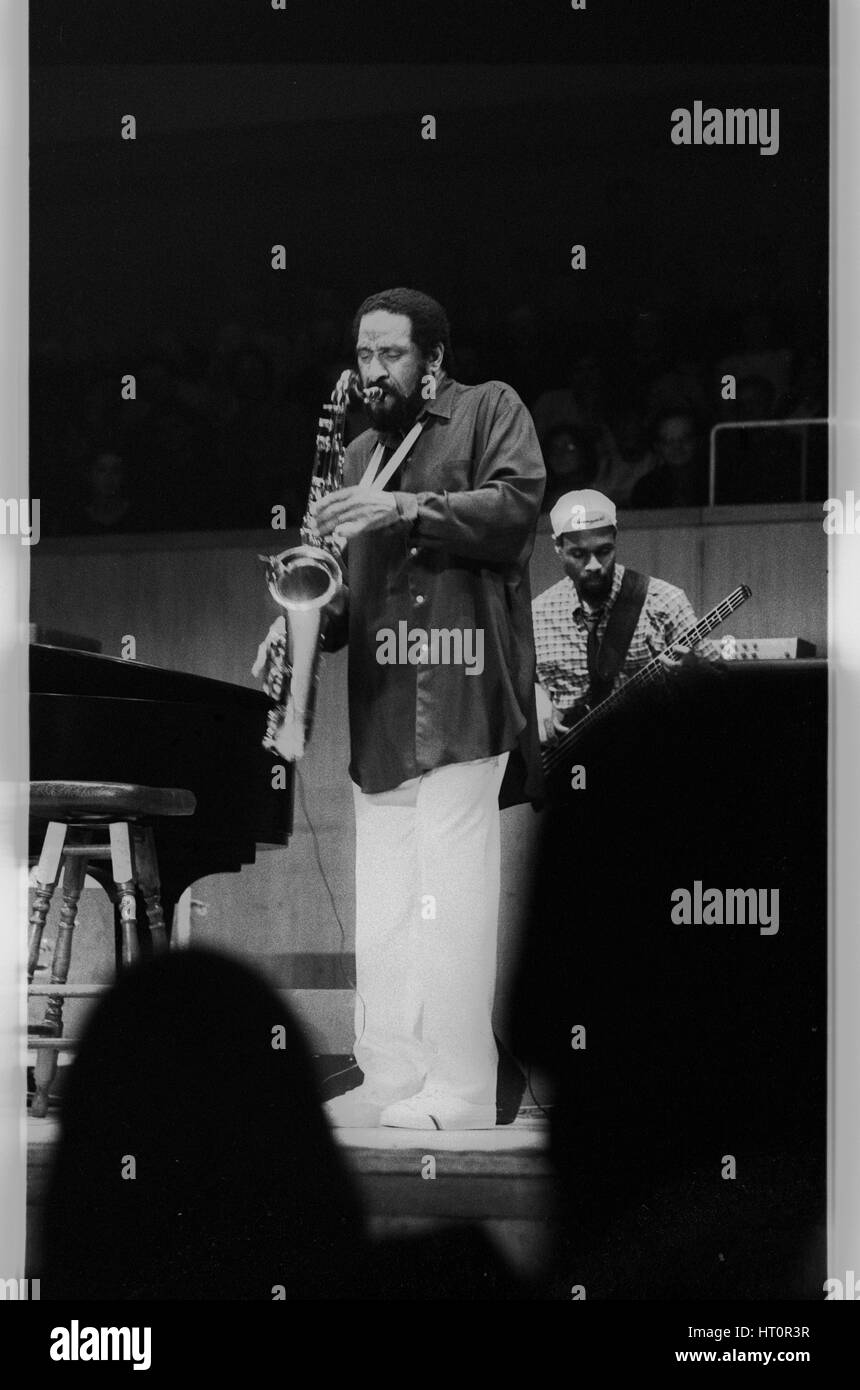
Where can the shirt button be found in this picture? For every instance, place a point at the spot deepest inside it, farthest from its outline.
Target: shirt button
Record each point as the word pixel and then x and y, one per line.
pixel 419 598
pixel 413 550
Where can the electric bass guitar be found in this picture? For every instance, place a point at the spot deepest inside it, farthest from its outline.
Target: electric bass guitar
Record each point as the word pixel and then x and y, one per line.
pixel 556 754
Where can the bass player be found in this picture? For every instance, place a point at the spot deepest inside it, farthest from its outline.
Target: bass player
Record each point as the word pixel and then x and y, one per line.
pixel 602 622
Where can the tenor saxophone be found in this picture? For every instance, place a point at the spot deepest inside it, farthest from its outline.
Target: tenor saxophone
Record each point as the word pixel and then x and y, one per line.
pixel 303 580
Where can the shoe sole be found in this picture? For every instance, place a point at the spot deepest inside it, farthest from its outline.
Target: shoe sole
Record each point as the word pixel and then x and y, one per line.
pixel 430 1122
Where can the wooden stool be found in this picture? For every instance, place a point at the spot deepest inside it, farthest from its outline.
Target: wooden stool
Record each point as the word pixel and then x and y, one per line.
pixel 90 821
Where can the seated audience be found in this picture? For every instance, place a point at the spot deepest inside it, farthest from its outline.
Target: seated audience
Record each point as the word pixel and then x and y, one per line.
pixel 626 455
pixel 571 462
pixel 679 475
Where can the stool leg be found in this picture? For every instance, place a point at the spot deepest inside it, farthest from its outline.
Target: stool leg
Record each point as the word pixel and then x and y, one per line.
pixel 122 867
pixel 46 881
pixel 47 1059
pixel 146 862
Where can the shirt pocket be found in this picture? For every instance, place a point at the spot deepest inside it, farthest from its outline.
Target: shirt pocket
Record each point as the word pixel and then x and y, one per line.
pixel 445 475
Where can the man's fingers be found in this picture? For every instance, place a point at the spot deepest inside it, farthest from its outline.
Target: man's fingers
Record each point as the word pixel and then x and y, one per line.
pixel 336 520
pixel 346 510
pixel 332 504
pixel 349 528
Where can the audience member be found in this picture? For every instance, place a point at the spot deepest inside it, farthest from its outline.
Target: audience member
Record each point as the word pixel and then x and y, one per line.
pixel 173 451
pixel 262 446
pixel 579 402
pixel 195 1161
pixel 679 475
pixel 680 387
pixel 108 502
pixel 758 355
pixel 571 462
pixel 222 430
pixel 627 455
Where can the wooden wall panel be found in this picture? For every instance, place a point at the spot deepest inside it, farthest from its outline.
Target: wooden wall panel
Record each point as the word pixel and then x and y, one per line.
pixel 199 604
pixel 781 552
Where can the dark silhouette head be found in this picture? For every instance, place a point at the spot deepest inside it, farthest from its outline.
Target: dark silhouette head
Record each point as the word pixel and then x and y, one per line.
pixel 195 1161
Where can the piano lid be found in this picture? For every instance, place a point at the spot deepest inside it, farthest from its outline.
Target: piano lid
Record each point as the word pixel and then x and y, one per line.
pixel 55 637
pixel 62 671
pixel 101 718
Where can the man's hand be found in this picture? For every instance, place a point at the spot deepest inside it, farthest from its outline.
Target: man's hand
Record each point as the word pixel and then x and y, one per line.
pixel 669 660
pixel 680 659
pixel 545 715
pixel 353 510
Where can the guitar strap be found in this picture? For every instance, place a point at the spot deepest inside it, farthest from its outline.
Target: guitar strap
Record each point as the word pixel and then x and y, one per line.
pixel 616 640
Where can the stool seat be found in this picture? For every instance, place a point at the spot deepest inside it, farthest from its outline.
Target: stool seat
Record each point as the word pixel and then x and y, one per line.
pixel 89 821
pixel 76 801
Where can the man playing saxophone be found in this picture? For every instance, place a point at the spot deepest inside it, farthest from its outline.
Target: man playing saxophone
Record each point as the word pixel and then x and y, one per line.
pixel 437 515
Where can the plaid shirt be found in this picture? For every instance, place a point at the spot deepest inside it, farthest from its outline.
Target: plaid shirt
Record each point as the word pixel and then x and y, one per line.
pixel 561 634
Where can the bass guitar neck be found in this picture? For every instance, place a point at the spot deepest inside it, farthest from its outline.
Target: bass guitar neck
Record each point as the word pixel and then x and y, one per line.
pixel 557 754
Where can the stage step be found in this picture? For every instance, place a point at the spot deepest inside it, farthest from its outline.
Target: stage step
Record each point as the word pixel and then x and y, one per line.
pixel 410 1182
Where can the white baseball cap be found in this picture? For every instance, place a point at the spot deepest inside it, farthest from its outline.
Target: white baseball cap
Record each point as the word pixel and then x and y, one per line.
pixel 585 510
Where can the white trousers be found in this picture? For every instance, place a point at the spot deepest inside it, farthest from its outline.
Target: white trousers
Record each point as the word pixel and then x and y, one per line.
pixel 427 871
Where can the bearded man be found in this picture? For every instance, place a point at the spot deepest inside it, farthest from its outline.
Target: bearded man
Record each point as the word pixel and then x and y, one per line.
pixel 438 514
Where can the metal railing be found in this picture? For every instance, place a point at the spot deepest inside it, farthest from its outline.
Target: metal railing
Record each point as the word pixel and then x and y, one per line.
pixel 797 425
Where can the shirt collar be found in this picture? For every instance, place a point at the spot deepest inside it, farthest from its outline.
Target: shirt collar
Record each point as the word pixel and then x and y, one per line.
pixel 576 602
pixel 443 403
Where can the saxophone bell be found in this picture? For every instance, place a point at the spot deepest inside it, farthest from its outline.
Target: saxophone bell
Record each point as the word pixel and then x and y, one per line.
pixel 303 581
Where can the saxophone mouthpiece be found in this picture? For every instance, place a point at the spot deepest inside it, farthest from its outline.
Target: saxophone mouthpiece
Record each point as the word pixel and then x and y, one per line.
pixel 350 383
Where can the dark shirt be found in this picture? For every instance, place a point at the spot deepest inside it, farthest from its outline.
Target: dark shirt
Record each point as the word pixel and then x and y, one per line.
pixel 468 497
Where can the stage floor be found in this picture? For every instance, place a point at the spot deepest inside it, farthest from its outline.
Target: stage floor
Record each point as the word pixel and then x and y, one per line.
pixel 411 1181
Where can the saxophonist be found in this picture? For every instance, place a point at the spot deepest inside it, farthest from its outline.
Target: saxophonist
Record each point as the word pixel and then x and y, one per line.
pixel 438 513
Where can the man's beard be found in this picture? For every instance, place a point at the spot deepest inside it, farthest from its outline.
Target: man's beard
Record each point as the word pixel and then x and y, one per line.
pixel 596 593
pixel 394 412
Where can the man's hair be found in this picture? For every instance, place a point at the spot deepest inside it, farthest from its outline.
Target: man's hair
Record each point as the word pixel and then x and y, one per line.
pixel 427 317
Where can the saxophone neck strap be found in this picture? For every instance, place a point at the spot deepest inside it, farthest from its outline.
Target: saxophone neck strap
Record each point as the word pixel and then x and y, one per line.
pixel 376 478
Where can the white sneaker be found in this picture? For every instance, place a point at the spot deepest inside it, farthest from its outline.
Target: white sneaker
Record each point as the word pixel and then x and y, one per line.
pixel 359 1108
pixel 431 1109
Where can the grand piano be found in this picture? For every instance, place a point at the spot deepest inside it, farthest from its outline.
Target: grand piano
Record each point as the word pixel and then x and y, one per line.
pixel 100 718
